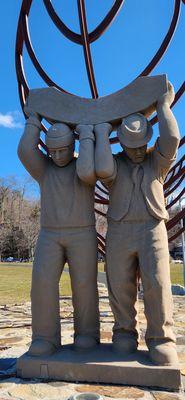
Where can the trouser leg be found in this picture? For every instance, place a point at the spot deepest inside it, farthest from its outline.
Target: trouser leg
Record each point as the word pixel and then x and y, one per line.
pixel 121 266
pixel 82 259
pixel 155 275
pixel 47 268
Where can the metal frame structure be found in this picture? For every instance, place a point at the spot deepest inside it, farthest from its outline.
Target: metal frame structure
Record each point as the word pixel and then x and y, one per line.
pixel 84 39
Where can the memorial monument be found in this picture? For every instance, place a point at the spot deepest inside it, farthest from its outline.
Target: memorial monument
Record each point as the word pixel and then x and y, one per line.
pixel 136 218
pixel 136 226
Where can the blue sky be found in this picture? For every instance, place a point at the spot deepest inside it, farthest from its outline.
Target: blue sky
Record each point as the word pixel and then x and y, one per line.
pixel 118 56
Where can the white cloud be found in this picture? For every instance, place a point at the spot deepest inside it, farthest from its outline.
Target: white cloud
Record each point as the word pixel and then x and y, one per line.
pixel 11 120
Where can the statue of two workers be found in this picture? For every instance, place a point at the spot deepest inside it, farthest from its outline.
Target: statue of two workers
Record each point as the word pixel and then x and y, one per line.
pixel 136 237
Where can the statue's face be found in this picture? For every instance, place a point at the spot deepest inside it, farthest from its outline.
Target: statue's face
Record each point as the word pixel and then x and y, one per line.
pixel 62 155
pixel 136 155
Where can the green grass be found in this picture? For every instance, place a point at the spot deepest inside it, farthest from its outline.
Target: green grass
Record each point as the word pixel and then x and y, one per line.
pixel 176 271
pixel 15 281
pixel 101 266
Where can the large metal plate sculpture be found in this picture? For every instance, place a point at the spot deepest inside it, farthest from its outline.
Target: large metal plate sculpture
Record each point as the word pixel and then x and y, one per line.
pixel 84 39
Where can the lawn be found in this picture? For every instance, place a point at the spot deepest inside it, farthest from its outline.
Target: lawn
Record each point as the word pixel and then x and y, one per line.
pixel 15 281
pixel 176 273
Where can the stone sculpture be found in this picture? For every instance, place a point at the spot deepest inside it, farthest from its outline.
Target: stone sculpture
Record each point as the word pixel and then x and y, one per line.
pixel 54 105
pixel 136 242
pixel 67 234
pixel 137 238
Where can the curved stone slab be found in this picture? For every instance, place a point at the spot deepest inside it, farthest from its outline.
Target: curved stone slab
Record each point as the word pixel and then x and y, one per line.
pixel 140 95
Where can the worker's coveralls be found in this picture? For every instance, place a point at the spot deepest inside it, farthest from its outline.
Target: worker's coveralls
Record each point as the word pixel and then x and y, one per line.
pixel 137 238
pixel 67 234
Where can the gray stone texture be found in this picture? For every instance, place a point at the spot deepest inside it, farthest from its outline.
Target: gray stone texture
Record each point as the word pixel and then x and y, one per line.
pixel 101 365
pixel 67 234
pixel 67 215
pixel 136 240
pixel 15 336
pixel 140 95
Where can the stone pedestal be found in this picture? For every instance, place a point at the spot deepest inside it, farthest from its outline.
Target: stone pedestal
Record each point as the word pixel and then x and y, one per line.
pixel 101 365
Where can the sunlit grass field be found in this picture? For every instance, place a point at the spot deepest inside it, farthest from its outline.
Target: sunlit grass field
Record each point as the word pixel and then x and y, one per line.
pixel 15 281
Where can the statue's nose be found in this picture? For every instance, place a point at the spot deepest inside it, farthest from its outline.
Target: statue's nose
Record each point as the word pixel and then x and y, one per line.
pixel 57 155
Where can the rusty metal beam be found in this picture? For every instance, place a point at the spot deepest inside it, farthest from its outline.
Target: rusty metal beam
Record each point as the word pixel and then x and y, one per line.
pixel 102 189
pixel 166 40
pixel 175 236
pixel 100 212
pixel 173 202
pixel 95 34
pixel 86 48
pixel 180 174
pixel 173 221
pixel 29 46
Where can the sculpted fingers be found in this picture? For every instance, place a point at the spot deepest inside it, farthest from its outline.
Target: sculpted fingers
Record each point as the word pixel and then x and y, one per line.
pixel 85 131
pixel 169 96
pixel 104 128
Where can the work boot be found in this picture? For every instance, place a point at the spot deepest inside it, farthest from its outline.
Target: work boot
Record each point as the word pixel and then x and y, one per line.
pixel 163 353
pixel 41 347
pixel 124 344
pixel 85 342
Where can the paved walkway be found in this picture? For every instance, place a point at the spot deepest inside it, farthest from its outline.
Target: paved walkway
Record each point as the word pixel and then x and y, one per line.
pixel 15 336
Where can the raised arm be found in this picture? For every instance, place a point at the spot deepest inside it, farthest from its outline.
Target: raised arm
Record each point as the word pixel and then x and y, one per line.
pixel 105 165
pixel 85 162
pixel 32 158
pixel 169 133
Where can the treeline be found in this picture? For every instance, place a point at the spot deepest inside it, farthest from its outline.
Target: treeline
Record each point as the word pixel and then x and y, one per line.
pixel 19 219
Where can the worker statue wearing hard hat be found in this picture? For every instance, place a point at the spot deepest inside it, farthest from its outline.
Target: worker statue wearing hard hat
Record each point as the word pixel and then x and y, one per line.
pixel 67 233
pixel 136 242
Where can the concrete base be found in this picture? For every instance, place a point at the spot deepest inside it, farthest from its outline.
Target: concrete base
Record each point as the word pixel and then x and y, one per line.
pixel 101 365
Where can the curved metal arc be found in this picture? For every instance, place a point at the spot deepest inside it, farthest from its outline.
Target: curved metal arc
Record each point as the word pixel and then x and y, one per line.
pixel 101 248
pixel 95 34
pixel 42 73
pixel 101 189
pixel 176 199
pixel 99 196
pixel 172 170
pixel 68 33
pixel 100 212
pixel 178 94
pixel 86 48
pixel 182 142
pixel 98 201
pixel 23 87
pixel 22 84
pixel 20 72
pixel 173 221
pixel 166 40
pixel 181 174
pixel 178 233
pixel 101 237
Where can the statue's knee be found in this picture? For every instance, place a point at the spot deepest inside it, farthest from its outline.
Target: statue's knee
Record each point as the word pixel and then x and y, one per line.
pixel 85 284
